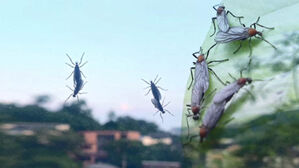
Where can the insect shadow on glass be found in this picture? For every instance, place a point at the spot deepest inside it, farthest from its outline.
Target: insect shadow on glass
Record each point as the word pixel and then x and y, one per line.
pixel 222 20
pixel 240 34
pixel 157 95
pixel 78 82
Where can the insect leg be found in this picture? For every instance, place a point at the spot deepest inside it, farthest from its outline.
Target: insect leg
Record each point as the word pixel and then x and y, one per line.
pixel 145 81
pixel 83 64
pixel 81 58
pixel 191 77
pixel 82 74
pixel 147 87
pixel 161 117
pixel 147 92
pixel 239 17
pixel 210 49
pixel 187 122
pixel 238 48
pixel 217 76
pixel 218 61
pixel 194 54
pixel 156 113
pixel 157 81
pixel 232 76
pixel 69 65
pixel 70 59
pixel 253 97
pixel 169 112
pixel 69 75
pixel 208 95
pixel 266 41
pixel 78 99
pixel 271 28
pixel 214 26
pixel 69 87
pixel 68 98
pixel 250 53
pixel 166 104
pixel 161 88
pixel 155 78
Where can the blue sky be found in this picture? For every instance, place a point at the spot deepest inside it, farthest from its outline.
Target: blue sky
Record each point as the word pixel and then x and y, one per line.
pixel 124 41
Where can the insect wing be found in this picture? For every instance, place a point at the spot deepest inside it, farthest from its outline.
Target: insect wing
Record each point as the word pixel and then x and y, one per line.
pixel 155 91
pixel 213 115
pixel 197 94
pixel 233 34
pixel 223 22
pixel 155 102
pixel 226 93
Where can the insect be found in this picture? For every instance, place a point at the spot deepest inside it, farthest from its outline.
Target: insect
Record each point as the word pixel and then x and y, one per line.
pixel 77 72
pixel 154 88
pixel 222 19
pixel 217 107
pixel 201 82
pixel 241 34
pixel 78 83
pixel 77 88
pixel 157 96
pixel 160 107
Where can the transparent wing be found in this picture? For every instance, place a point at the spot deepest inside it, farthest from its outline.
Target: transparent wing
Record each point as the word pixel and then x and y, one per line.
pixel 227 92
pixel 202 75
pixel 156 92
pixel 234 33
pixel 222 22
pixel 197 94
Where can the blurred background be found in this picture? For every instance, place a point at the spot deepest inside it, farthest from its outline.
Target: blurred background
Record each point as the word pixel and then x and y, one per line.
pixel 113 124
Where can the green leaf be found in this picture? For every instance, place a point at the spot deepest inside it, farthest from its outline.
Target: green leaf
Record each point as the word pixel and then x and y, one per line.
pixel 278 68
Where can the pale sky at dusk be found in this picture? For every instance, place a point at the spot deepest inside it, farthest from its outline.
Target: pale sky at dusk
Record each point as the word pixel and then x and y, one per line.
pixel 123 42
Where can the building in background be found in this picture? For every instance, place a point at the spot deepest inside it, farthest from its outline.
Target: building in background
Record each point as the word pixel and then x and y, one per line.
pixel 94 140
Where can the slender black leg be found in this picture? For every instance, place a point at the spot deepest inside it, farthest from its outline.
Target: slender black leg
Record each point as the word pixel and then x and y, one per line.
pixel 239 17
pixel 191 77
pixel 217 76
pixel 194 54
pixel 218 61
pixel 250 53
pixel 238 48
pixel 214 26
pixel 209 50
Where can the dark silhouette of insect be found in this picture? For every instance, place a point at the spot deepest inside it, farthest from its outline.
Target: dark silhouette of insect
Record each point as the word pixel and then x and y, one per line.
pixel 222 20
pixel 241 34
pixel 77 72
pixel 154 88
pixel 78 82
pixel 160 107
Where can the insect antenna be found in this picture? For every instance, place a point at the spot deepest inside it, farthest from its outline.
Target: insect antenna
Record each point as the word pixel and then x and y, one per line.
pixel 232 76
pixel 155 78
pixel 157 81
pixel 70 59
pixel 214 73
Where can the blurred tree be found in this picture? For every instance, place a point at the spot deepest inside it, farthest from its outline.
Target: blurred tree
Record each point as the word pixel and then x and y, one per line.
pixel 111 116
pixel 42 99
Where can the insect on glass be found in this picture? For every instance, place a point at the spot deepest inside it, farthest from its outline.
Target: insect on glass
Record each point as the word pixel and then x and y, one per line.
pixel 154 88
pixel 78 83
pixel 160 107
pixel 222 20
pixel 217 107
pixel 77 72
pixel 241 34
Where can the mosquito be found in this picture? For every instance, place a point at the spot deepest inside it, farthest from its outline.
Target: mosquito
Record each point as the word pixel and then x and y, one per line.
pixel 222 20
pixel 160 107
pixel 241 34
pixel 154 88
pixel 77 72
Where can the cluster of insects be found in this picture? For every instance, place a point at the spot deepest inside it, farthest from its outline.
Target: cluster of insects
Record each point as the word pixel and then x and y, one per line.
pixel 200 79
pixel 77 74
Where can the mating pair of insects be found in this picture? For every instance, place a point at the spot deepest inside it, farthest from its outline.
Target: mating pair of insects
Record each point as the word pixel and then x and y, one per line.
pixel 78 82
pixel 221 98
pixel 154 88
pixel 227 34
